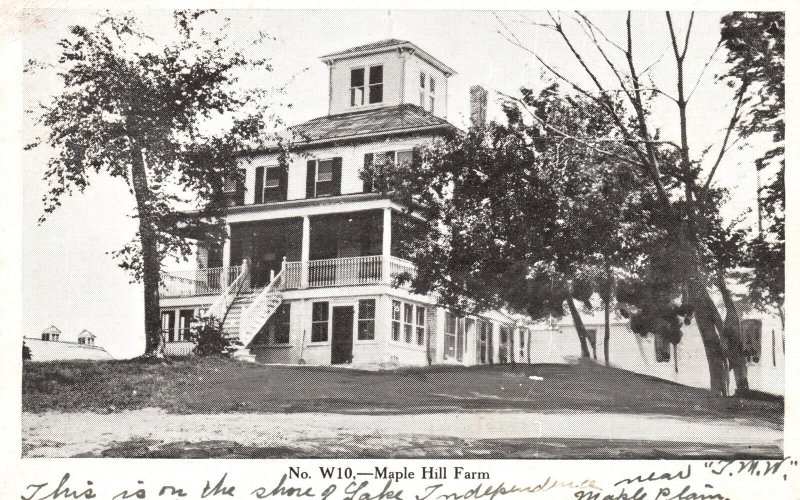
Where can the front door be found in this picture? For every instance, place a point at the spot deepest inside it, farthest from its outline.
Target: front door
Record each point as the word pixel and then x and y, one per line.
pixel 342 341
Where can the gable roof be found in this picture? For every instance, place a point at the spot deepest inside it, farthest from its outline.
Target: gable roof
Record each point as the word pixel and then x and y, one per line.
pixel 385 46
pixel 404 118
pixel 51 329
pixel 86 333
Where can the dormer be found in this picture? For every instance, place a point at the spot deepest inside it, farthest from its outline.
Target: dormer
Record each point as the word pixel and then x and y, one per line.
pixel 51 333
pixel 86 338
pixel 386 73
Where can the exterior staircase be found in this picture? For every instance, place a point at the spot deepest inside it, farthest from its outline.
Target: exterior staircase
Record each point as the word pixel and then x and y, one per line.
pixel 231 325
pixel 248 313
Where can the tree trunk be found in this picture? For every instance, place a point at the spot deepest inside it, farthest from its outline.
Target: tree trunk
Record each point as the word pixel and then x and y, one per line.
pixel 579 327
pixel 607 313
pixel 607 336
pixel 151 270
pixel 717 362
pixel 733 338
pixel 151 260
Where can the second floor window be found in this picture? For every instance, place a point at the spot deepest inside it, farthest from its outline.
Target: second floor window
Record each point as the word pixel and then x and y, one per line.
pixel 271 184
pixel 324 178
pixel 377 163
pixel 366 85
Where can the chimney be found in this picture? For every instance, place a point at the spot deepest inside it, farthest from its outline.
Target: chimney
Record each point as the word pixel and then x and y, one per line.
pixel 477 105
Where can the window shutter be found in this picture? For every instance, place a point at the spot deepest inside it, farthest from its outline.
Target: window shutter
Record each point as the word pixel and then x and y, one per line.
pixel 240 186
pixel 283 182
pixel 337 175
pixel 367 173
pixel 259 189
pixel 310 178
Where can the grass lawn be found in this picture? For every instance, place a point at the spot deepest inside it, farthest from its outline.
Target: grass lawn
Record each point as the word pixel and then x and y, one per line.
pixel 222 385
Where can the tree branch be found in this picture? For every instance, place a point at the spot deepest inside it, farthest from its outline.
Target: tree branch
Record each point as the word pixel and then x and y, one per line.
pixel 654 170
pixel 723 149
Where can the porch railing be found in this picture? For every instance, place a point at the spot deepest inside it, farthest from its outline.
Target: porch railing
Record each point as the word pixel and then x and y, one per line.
pixel 238 285
pixel 401 271
pixel 193 282
pixel 346 271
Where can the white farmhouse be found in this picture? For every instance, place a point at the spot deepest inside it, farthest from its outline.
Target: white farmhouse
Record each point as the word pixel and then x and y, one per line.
pixel 306 274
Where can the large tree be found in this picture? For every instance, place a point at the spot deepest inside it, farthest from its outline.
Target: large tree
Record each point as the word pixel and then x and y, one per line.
pixel 680 182
pixel 755 45
pixel 165 116
pixel 516 219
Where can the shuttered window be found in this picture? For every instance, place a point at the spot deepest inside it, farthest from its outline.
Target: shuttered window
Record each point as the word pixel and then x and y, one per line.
pixel 324 178
pixel 377 163
pixel 270 184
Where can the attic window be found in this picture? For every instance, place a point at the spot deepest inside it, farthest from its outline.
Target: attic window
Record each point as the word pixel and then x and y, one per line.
pixel 375 84
pixel 361 91
pixel 357 87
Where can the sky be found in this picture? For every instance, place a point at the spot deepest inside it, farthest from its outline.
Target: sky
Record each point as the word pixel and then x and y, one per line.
pixel 69 278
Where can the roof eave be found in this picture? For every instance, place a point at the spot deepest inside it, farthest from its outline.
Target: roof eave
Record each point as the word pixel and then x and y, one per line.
pixel 447 70
pixel 354 137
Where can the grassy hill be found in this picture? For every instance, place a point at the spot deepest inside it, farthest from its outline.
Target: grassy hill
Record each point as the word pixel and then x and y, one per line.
pixel 222 385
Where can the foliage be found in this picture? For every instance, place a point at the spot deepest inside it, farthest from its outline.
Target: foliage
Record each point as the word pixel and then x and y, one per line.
pixel 518 218
pixel 677 199
pixel 755 43
pixel 167 117
pixel 26 351
pixel 209 338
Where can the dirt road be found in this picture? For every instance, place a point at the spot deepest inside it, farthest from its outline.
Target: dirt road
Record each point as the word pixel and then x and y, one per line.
pixel 153 432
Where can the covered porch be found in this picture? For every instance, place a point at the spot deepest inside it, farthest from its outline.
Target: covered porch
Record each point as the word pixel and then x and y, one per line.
pixel 329 250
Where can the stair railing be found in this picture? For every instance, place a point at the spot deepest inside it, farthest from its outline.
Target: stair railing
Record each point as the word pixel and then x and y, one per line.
pixel 249 321
pixel 226 298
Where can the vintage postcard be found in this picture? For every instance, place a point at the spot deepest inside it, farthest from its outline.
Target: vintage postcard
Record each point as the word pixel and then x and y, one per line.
pixel 370 252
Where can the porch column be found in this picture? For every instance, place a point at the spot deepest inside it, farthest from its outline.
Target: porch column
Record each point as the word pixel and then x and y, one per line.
pixel 495 342
pixel 387 245
pixel 305 252
pixel 226 247
pixel 226 257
